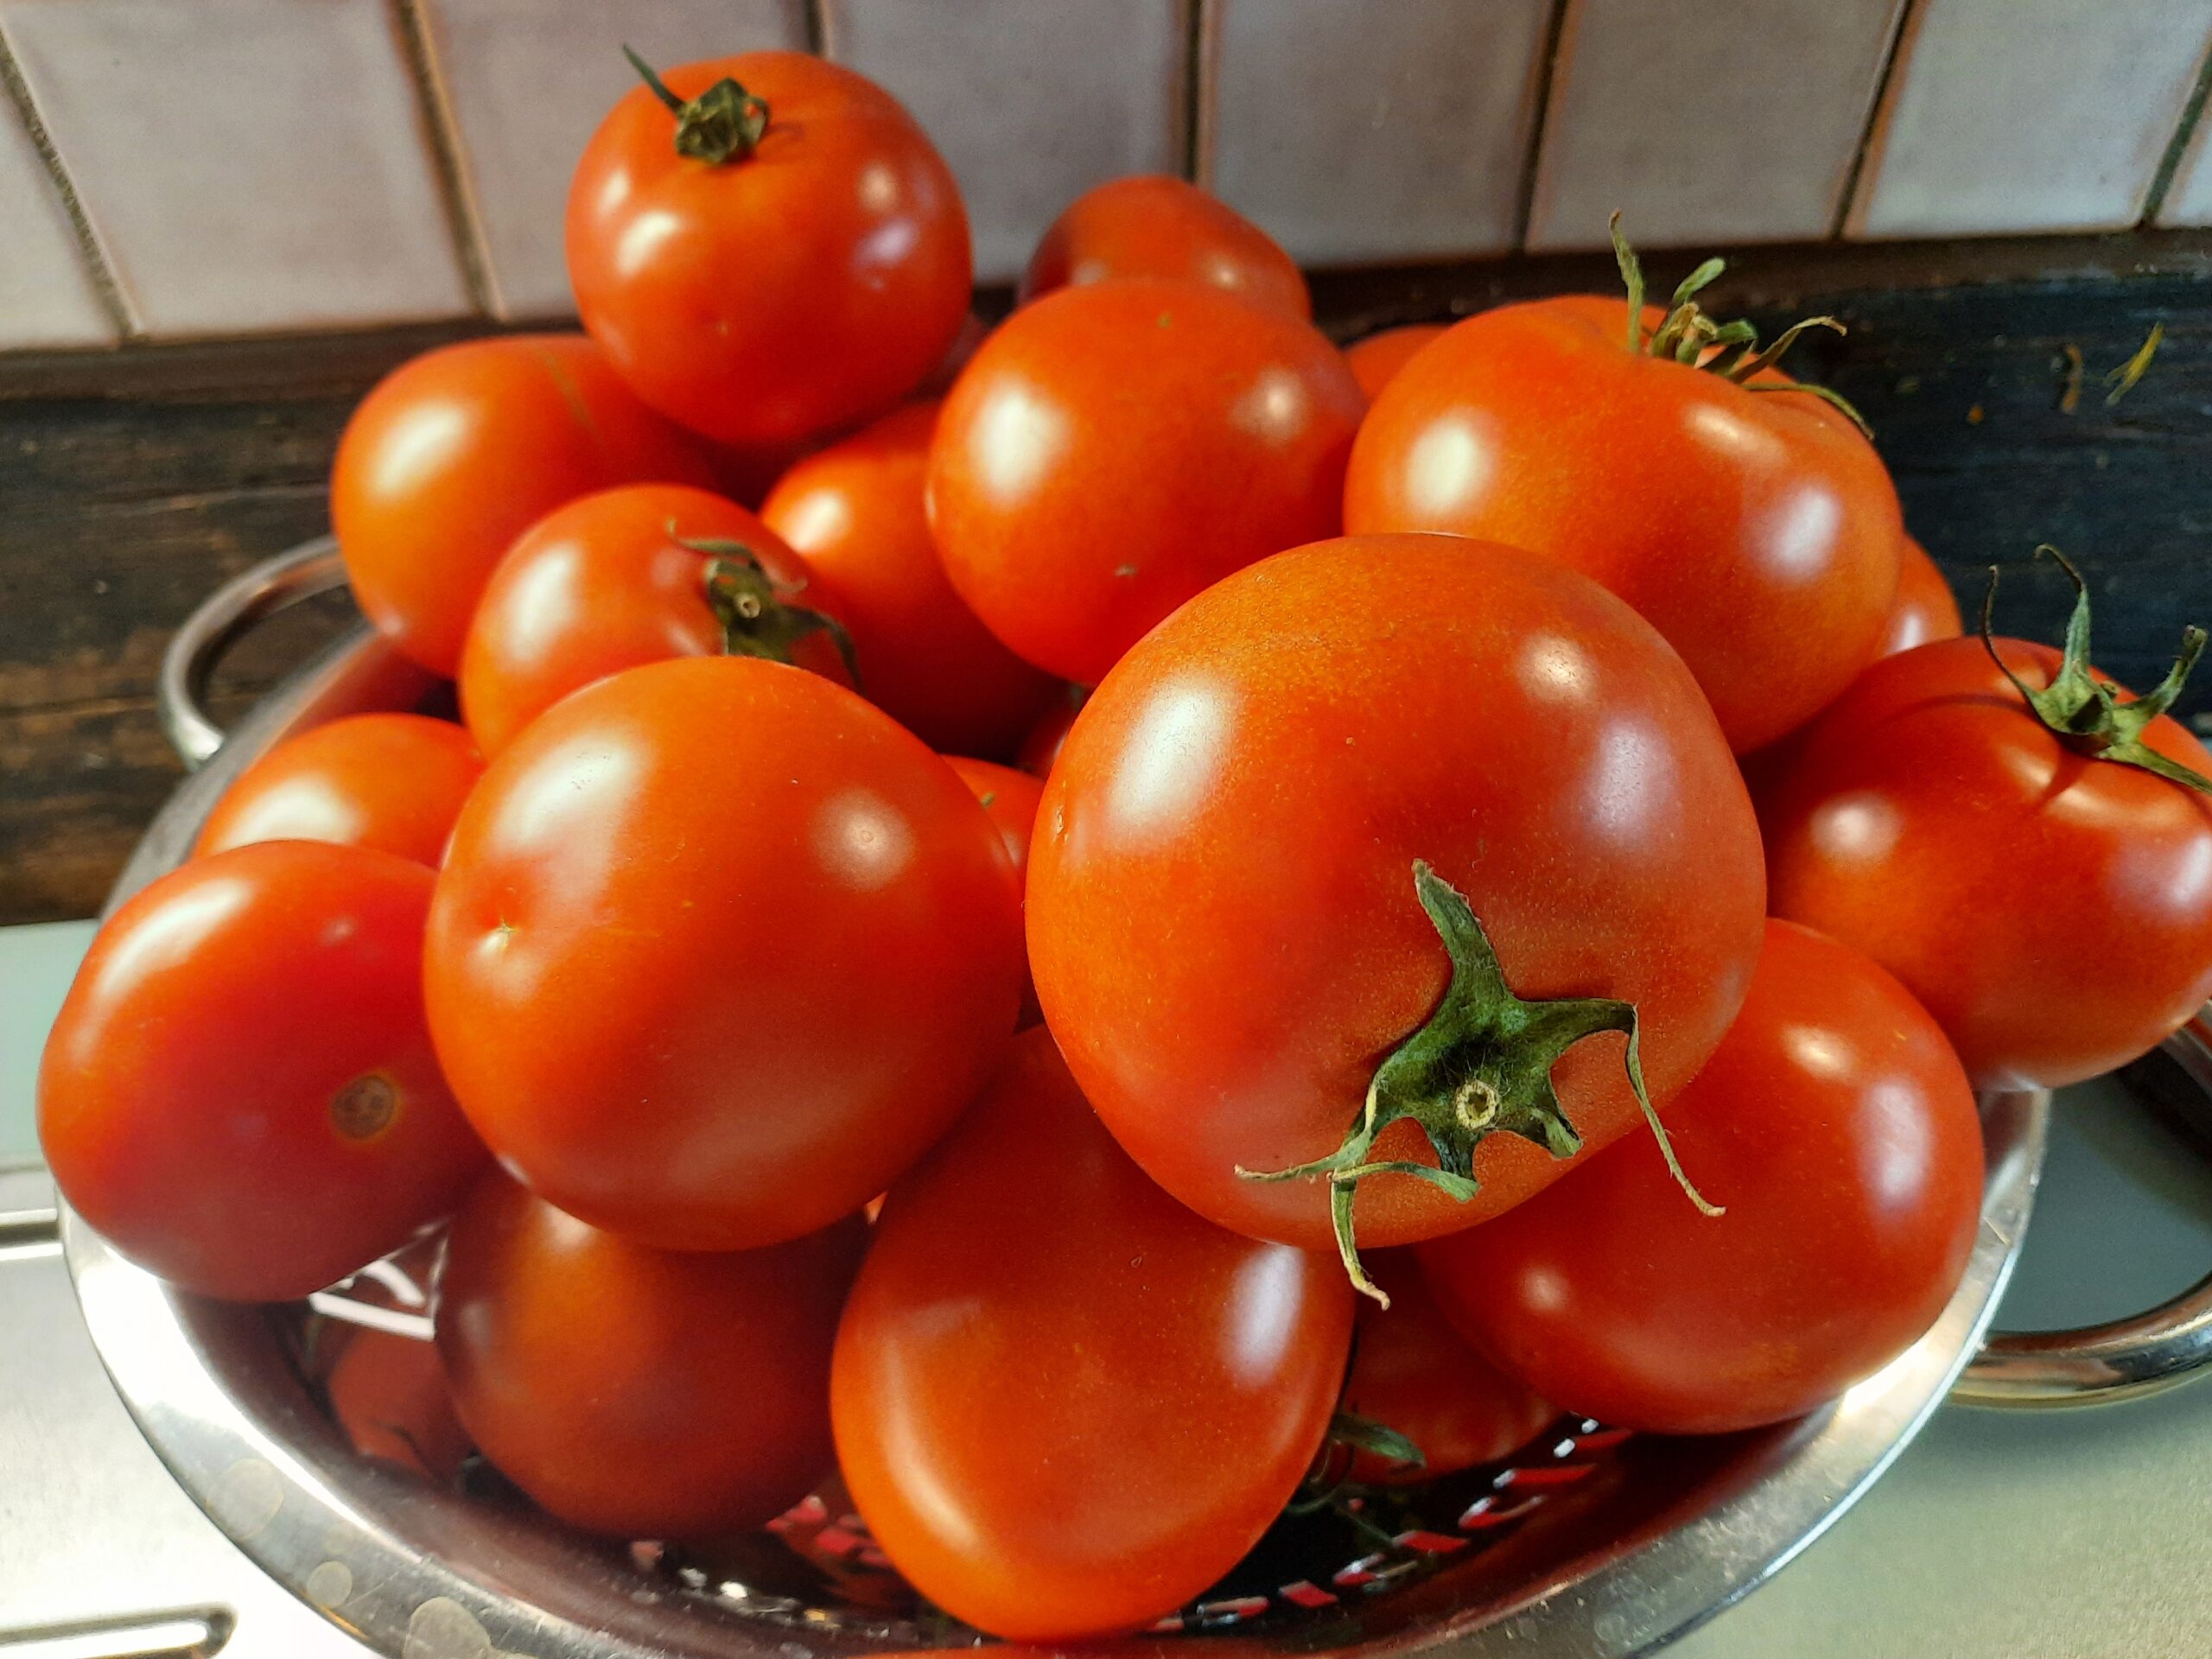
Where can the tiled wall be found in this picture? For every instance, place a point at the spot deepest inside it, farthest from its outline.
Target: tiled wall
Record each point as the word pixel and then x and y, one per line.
pixel 173 168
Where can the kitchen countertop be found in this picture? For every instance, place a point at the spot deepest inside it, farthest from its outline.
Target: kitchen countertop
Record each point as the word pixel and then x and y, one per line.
pixel 2064 1535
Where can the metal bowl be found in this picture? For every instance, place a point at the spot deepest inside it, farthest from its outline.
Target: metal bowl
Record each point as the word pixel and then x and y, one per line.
pixel 1591 1543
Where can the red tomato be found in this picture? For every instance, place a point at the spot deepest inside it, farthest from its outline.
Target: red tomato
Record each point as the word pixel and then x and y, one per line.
pixel 1063 1403
pixel 629 576
pixel 1376 361
pixel 1011 798
pixel 238 1093
pixel 1756 530
pixel 1411 1372
pixel 1042 747
pixel 394 782
pixel 1227 924
pixel 781 255
pixel 1152 225
pixel 386 1388
pixel 855 512
pixel 636 1392
pixel 718 952
pixel 2051 908
pixel 1113 449
pixel 455 455
pixel 1836 1128
pixel 1925 607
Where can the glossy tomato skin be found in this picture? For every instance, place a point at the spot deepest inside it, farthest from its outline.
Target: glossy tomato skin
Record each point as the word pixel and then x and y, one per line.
pixel 1113 449
pixel 855 513
pixel 1044 1361
pixel 1375 361
pixel 636 1392
pixel 1837 1130
pixel 1759 531
pixel 607 583
pixel 1925 608
pixel 780 295
pixel 239 1093
pixel 1412 1372
pixel 1149 225
pixel 2050 910
pixel 1011 798
pixel 718 952
pixel 456 454
pixel 394 782
pixel 1223 922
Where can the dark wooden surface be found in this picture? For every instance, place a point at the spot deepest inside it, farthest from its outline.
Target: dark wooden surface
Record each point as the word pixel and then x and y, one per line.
pixel 131 483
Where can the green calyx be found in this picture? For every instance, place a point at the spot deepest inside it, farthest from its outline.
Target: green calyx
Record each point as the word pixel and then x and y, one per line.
pixel 1730 350
pixel 1480 1065
pixel 722 124
pixel 2086 713
pixel 756 619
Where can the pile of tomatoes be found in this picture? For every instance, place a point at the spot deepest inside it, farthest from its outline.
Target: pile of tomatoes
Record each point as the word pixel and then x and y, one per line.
pixel 1387 912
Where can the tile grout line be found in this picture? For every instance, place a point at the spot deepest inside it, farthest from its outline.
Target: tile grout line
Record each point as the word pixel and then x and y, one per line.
pixel 815 28
pixel 2192 111
pixel 1540 110
pixel 107 288
pixel 1201 67
pixel 464 224
pixel 1878 109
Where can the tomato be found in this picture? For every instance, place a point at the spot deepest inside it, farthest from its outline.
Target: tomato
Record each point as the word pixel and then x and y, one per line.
pixel 1230 924
pixel 1149 224
pixel 1112 449
pixel 854 510
pixel 1042 747
pixel 1754 528
pixel 1011 798
pixel 636 1392
pixel 767 246
pixel 394 782
pixel 629 576
pixel 1925 607
pixel 2050 904
pixel 1063 1403
pixel 386 1390
pixel 1375 361
pixel 456 454
pixel 1836 1127
pixel 1413 1374
pixel 719 949
pixel 238 1093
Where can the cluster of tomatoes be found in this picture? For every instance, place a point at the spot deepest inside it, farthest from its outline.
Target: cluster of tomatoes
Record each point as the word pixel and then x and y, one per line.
pixel 1399 863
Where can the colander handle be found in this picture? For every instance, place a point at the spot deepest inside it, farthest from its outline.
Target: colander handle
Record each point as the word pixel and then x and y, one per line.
pixel 273 585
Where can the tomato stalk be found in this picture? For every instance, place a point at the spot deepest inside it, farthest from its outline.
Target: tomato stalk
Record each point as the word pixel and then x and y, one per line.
pixel 2085 712
pixel 757 620
pixel 1480 1065
pixel 1730 350
pixel 724 123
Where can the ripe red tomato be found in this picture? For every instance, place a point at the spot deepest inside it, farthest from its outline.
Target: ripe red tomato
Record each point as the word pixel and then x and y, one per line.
pixel 1925 607
pixel 238 1093
pixel 1413 1373
pixel 386 1391
pixel 2051 905
pixel 1063 1403
pixel 1228 929
pixel 1011 798
pixel 718 952
pixel 1756 530
pixel 1376 361
pixel 1112 449
pixel 395 782
pixel 456 454
pixel 1834 1126
pixel 636 1392
pixel 635 576
pixel 1152 225
pixel 1042 747
pixel 854 510
pixel 783 254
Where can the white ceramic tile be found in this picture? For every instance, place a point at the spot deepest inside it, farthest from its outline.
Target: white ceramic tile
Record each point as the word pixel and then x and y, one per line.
pixel 2028 115
pixel 1358 132
pixel 2188 198
pixel 46 298
pixel 1032 101
pixel 245 164
pixel 1693 146
pixel 525 83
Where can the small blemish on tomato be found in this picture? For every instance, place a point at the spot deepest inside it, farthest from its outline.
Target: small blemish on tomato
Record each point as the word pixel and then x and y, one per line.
pixel 365 1108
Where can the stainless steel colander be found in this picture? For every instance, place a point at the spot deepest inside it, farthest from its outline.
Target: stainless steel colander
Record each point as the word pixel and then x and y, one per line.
pixel 1589 1542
